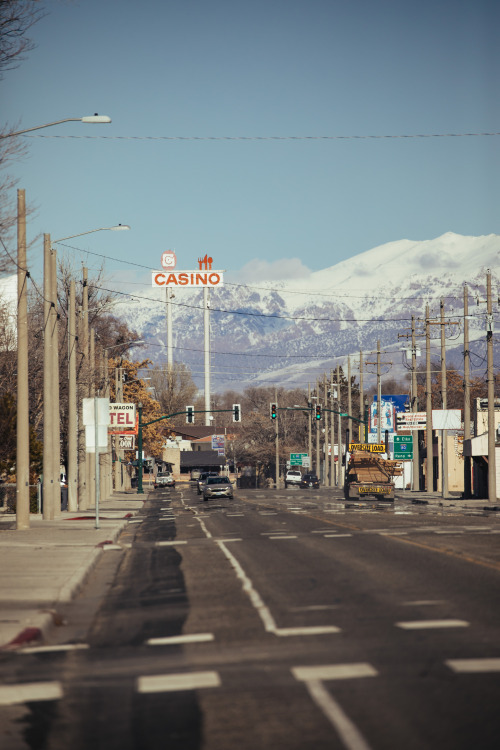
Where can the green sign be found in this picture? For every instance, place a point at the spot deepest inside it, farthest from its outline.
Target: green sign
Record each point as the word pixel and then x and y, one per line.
pixel 403 447
pixel 296 458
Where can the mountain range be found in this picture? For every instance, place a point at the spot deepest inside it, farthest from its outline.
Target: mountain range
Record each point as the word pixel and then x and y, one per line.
pixel 290 332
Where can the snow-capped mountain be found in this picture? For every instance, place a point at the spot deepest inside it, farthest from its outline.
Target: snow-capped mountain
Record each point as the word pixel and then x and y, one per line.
pixel 290 332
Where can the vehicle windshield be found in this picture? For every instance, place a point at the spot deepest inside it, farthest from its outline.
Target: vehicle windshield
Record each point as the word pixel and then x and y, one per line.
pixel 217 480
pixel 163 474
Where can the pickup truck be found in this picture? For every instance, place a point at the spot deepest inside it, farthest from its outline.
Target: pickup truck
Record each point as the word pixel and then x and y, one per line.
pixel 370 475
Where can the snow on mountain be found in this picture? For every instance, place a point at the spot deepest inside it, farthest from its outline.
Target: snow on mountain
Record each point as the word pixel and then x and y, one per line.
pixel 289 332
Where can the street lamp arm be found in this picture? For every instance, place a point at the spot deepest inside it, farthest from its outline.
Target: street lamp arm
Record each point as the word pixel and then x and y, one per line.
pixel 97 119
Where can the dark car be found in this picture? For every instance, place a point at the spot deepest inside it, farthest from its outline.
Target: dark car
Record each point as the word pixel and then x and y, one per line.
pixel 309 480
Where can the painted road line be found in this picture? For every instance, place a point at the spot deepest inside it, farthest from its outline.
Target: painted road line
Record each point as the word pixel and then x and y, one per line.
pixel 174 543
pixel 107 547
pixel 424 603
pixel 135 520
pixel 283 536
pixel 334 672
pixel 236 539
pixel 168 683
pixel 429 624
pixel 393 533
pixel 10 695
pixel 234 515
pixel 174 640
pixel 474 666
pixel 312 630
pixel 335 536
pixel 448 531
pixel 52 649
pixel 312 677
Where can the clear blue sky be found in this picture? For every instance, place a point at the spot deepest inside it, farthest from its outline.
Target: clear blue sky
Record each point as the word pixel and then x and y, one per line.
pixel 199 68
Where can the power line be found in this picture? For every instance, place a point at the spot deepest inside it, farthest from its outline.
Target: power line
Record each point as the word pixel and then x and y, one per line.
pixel 263 137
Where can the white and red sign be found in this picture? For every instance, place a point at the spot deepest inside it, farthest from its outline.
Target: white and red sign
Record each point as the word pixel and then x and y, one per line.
pixel 121 418
pixel 168 260
pixel 204 276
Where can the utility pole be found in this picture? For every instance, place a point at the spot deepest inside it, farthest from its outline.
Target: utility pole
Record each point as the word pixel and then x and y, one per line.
pixel 318 461
pixel 361 397
pixel 325 441
pixel 467 434
pixel 22 418
pixel 84 472
pixel 309 424
pixel 428 406
pixel 48 433
pixel 92 457
pixel 206 318
pixel 72 405
pixel 349 397
pixel 340 473
pixel 379 396
pixel 332 439
pixel 56 423
pixel 492 485
pixel 444 402
pixel 414 407
pixel 276 443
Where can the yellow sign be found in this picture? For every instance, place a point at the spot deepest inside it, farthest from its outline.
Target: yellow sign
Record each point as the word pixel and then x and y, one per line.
pixel 368 447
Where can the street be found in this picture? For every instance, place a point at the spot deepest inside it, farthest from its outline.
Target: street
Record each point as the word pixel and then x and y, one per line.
pixel 279 619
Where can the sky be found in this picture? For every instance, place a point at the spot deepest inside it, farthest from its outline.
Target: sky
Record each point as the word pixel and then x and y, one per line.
pixel 297 85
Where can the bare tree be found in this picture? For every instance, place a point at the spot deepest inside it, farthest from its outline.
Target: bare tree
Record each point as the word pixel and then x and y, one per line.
pixel 17 17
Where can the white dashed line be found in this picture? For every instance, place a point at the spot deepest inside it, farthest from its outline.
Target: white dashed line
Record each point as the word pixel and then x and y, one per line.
pixel 429 624
pixel 167 683
pixel 283 536
pixel 174 543
pixel 334 672
pixel 474 666
pixel 51 649
pixel 336 536
pixel 175 640
pixel 10 695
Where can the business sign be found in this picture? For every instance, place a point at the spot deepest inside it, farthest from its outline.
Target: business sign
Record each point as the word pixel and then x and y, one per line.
pixel 121 418
pixel 168 260
pixel 367 447
pixel 297 459
pixel 126 442
pixel 403 447
pixel 218 443
pixel 386 414
pixel 412 420
pixel 205 276
pixel 446 419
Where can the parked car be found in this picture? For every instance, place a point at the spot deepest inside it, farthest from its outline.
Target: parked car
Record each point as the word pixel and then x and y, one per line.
pixel 195 474
pixel 202 479
pixel 164 479
pixel 293 478
pixel 216 486
pixel 310 480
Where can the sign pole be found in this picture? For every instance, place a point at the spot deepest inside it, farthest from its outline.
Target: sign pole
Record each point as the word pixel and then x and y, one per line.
pixel 97 466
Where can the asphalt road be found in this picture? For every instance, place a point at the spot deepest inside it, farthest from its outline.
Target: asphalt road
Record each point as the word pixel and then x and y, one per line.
pixel 276 620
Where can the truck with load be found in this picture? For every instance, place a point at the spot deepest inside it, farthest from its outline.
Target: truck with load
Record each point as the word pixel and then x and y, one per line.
pixel 368 474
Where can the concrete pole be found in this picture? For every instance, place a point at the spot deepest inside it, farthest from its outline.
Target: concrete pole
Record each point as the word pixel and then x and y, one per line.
pixel 361 395
pixel 22 418
pixel 206 318
pixel 332 439
pixel 92 457
pixel 467 433
pixel 429 479
pixel 276 444
pixel 81 392
pixel 309 426
pixel 379 397
pixel 56 423
pixel 325 441
pixel 318 455
pixel 72 405
pixel 444 401
pixel 340 473
pixel 48 377
pixel 492 481
pixel 86 381
pixel 414 408
pixel 349 399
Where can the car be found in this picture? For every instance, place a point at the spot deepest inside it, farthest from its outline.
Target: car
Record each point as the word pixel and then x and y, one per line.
pixel 216 486
pixel 310 480
pixel 164 479
pixel 293 478
pixel 202 479
pixel 195 473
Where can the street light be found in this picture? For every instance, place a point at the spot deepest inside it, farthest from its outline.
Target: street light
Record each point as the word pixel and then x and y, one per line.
pixel 89 119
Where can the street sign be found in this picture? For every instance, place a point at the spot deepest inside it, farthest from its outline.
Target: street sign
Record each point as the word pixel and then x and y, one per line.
pixel 126 442
pixel 411 420
pixel 296 459
pixel 403 447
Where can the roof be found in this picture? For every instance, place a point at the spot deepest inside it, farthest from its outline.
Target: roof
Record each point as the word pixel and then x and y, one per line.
pixel 198 459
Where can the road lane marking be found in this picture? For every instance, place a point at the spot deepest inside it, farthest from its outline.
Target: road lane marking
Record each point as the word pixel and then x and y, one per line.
pixel 51 649
pixel 424 603
pixel 336 536
pixel 173 543
pixel 429 624
pixel 474 666
pixel 10 695
pixel 283 536
pixel 311 630
pixel 312 677
pixel 174 640
pixel 167 683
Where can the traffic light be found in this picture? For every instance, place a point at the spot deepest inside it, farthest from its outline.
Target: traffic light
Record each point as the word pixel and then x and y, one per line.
pixel 274 409
pixel 318 411
pixel 236 413
pixel 189 414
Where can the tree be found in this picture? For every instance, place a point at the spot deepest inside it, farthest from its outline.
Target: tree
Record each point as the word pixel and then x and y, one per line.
pixel 174 389
pixel 8 443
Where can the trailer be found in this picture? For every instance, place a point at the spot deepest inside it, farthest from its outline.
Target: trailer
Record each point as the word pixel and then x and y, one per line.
pixel 369 475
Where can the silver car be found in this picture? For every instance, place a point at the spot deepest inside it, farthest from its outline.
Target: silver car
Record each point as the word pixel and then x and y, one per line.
pixel 217 487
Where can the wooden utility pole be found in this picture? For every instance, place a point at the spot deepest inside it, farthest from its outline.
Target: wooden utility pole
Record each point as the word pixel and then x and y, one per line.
pixel 72 405
pixel 325 436
pixel 361 397
pixel 467 433
pixel 444 402
pixel 276 443
pixel 414 408
pixel 22 417
pixel 429 473
pixel 349 400
pixel 340 473
pixel 492 484
pixel 332 439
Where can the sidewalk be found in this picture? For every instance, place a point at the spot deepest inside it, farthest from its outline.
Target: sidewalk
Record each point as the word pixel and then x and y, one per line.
pixel 49 562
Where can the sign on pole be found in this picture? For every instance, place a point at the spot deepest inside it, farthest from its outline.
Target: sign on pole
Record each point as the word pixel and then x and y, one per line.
pixel 411 420
pixel 403 447
pixel 297 459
